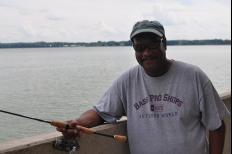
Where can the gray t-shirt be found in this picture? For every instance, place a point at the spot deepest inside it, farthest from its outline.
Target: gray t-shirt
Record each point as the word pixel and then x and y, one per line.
pixel 167 114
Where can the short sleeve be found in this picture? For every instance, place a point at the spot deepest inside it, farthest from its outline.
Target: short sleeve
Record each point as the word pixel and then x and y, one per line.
pixel 213 109
pixel 110 106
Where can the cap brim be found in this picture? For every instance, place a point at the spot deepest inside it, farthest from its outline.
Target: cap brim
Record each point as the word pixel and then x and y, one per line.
pixel 146 30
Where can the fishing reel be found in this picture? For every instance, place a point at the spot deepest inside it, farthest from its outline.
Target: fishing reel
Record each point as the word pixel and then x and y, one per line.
pixel 68 145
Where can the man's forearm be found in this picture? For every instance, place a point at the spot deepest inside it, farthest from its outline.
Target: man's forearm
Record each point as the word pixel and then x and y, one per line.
pixel 89 119
pixel 216 140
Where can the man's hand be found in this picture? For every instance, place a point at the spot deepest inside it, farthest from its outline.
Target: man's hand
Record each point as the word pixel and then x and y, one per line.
pixel 88 119
pixel 72 131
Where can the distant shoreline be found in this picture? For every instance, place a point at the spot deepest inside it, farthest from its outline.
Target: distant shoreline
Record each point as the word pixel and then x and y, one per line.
pixel 108 44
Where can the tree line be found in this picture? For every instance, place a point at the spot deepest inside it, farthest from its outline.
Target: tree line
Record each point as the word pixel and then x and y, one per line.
pixel 107 44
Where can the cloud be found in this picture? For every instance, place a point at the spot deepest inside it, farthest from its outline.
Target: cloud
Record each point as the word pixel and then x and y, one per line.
pixel 103 20
pixel 54 17
pixel 196 21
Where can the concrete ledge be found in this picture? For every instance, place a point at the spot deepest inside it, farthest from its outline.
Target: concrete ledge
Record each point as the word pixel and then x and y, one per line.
pixel 17 145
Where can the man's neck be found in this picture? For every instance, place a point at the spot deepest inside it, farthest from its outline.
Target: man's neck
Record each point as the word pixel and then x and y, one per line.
pixel 164 68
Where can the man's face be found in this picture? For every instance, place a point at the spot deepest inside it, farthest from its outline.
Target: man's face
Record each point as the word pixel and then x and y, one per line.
pixel 148 52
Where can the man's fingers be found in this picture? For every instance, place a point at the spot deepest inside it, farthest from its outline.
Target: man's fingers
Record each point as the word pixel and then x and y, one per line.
pixel 72 131
pixel 73 123
pixel 60 129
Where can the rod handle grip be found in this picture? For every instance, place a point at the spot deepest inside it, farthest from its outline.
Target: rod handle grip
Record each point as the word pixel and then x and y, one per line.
pixel 85 130
pixel 120 138
pixel 59 124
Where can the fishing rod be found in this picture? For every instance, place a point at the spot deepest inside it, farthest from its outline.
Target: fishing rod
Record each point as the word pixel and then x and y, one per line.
pixel 60 124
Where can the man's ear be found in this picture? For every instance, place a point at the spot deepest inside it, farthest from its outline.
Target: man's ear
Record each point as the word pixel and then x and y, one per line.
pixel 163 44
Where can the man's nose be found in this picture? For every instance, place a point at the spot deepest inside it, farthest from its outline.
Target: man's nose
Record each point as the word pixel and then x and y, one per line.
pixel 147 51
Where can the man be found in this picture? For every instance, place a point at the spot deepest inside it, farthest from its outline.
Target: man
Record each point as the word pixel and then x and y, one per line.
pixel 170 105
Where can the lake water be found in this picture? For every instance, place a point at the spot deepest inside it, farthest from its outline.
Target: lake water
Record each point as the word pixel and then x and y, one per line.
pixel 61 83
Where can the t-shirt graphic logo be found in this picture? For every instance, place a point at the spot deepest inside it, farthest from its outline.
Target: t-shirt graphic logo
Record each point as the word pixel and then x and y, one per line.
pixel 157 108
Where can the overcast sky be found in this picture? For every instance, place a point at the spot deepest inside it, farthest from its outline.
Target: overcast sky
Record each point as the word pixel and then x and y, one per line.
pixel 105 20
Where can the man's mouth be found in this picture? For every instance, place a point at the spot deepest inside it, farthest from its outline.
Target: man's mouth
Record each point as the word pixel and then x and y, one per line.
pixel 151 59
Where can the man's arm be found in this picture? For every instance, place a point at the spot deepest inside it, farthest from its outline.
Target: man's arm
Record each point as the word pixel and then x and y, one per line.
pixel 88 119
pixel 216 140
